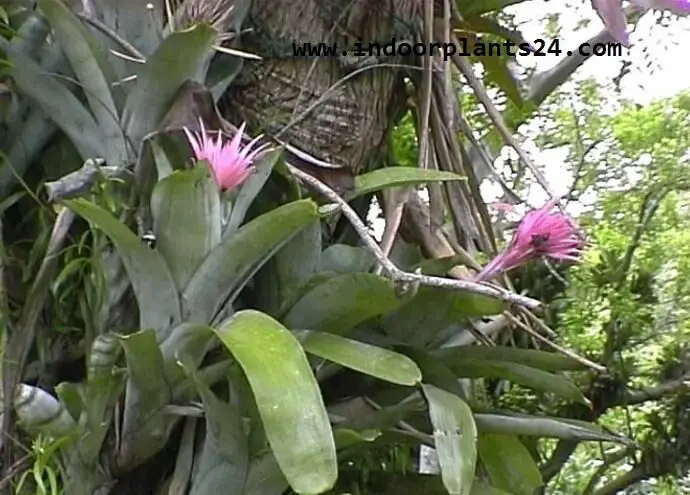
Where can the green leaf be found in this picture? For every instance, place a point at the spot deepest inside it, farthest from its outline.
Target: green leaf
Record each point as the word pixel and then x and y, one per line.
pixel 341 258
pixel 224 462
pixel 94 73
pixel 104 385
pixel 278 283
pixel 487 25
pixel 342 302
pixel 536 426
pixel 509 464
pixel 154 286
pixel 346 438
pixel 233 262
pixel 70 395
pixel 179 58
pixel 265 477
pixel 188 343
pixel 186 220
pixel 145 429
pixel 365 358
pixel 480 488
pixel 288 398
pixel 57 102
pixel 163 164
pixel 103 381
pixel 222 71
pixel 439 267
pixel 521 374
pixel 250 188
pixel 10 200
pixel 433 310
pixel 547 361
pixel 434 371
pixel 398 176
pixel 455 437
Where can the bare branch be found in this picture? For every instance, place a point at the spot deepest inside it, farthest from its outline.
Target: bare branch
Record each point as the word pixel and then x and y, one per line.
pixel 543 84
pixel 651 203
pixel 561 455
pixel 553 345
pixel 654 393
pixel 80 181
pixel 635 475
pixel 609 461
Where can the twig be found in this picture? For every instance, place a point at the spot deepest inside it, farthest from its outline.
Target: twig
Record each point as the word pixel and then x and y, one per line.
pixel 394 201
pixel 13 470
pixel 488 330
pixel 543 326
pixel 562 350
pixel 425 90
pixel 398 275
pixel 335 86
pixel 81 181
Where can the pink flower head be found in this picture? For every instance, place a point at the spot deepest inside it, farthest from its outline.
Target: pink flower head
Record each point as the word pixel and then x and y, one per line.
pixel 612 14
pixel 540 233
pixel 229 161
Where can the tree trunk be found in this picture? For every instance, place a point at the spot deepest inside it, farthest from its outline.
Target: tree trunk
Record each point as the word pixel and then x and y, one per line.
pixel 338 118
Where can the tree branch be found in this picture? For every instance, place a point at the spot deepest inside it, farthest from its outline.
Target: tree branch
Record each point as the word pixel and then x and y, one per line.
pixel 609 461
pixel 398 275
pixel 648 209
pixel 561 455
pixel 635 475
pixel 544 83
pixel 653 393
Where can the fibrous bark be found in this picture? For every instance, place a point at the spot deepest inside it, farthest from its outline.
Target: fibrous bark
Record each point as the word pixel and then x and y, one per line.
pixel 346 120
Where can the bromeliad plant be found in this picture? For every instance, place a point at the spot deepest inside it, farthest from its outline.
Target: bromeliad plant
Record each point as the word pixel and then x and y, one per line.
pixel 293 354
pixel 320 315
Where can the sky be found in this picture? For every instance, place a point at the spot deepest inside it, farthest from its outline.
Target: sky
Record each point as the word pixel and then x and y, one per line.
pixel 665 47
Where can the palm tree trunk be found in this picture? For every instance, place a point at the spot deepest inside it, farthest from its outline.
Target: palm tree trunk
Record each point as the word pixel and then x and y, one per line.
pixel 316 104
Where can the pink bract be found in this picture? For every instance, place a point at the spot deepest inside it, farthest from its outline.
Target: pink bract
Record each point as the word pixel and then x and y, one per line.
pixel 540 233
pixel 229 161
